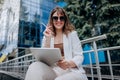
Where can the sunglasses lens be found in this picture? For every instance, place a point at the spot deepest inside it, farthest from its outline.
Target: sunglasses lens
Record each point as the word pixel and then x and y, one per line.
pixel 62 18
pixel 55 18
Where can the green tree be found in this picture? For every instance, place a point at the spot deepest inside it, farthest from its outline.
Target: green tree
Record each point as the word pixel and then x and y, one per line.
pixel 96 17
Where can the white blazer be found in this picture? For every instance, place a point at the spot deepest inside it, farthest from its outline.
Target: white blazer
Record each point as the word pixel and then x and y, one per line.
pixel 72 49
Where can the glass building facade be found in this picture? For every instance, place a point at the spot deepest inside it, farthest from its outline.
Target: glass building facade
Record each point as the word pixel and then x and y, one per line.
pixel 22 23
pixel 9 23
pixel 34 16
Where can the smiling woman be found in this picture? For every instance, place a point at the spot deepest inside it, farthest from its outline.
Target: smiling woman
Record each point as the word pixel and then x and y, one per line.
pixel 60 33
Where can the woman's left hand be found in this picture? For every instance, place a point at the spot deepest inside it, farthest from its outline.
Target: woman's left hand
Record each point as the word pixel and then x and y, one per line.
pixel 63 64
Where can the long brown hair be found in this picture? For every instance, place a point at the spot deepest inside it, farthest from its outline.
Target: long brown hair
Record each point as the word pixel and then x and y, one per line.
pixel 68 27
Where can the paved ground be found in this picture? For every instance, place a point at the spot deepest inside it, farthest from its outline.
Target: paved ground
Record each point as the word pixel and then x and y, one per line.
pixel 9 76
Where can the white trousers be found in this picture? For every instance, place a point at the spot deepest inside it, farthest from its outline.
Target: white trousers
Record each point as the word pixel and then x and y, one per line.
pixel 41 71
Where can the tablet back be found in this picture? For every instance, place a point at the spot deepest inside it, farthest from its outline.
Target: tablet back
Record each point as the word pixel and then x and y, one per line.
pixel 47 55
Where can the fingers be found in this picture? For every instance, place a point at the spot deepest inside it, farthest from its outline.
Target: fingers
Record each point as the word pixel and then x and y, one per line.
pixel 48 26
pixel 63 64
pixel 48 32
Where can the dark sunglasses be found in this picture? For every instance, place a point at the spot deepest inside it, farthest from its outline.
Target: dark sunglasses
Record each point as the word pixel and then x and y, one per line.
pixel 61 18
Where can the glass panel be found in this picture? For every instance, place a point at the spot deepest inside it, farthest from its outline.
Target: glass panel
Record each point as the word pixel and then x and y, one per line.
pixel 33 18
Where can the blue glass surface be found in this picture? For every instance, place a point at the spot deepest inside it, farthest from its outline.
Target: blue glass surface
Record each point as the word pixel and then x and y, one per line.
pixel 101 55
pixel 33 14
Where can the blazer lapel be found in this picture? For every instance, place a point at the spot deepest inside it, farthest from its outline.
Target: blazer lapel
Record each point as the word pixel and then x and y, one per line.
pixel 67 47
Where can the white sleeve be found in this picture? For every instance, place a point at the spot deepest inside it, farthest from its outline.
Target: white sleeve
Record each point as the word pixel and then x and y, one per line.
pixel 76 49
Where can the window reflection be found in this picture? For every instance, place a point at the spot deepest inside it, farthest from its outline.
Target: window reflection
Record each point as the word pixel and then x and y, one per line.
pixel 33 14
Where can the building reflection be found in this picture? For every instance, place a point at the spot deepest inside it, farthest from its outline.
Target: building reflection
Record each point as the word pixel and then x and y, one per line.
pixel 22 25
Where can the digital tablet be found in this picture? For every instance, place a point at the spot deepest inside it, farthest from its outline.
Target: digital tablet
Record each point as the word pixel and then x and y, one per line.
pixel 47 55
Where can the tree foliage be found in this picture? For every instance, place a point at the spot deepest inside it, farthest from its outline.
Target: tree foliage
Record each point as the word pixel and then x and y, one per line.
pixel 96 17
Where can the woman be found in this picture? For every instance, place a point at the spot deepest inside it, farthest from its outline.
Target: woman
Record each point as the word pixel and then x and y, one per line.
pixel 60 33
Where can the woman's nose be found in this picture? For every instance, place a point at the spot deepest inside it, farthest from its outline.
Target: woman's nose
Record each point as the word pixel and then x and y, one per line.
pixel 58 19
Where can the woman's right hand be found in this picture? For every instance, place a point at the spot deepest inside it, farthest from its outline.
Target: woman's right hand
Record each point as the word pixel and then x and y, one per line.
pixel 48 32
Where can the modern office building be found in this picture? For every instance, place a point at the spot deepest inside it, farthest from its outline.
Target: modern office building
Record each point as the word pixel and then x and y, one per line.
pixel 22 23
